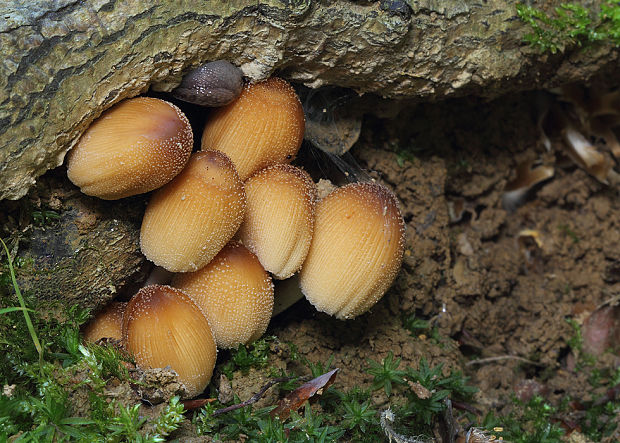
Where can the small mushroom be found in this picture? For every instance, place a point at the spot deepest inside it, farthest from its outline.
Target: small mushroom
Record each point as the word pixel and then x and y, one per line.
pixel 279 218
pixel 136 146
pixel 234 292
pixel 163 327
pixel 356 250
pixel 106 324
pixel 215 83
pixel 263 127
pixel 188 221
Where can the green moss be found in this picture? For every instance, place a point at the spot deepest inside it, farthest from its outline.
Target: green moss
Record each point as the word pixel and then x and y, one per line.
pixel 571 25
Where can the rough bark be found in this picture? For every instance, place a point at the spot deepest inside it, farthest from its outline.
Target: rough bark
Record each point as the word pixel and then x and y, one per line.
pixel 87 256
pixel 65 61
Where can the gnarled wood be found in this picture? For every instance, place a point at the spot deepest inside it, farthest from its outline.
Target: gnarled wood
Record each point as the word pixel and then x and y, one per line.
pixel 65 61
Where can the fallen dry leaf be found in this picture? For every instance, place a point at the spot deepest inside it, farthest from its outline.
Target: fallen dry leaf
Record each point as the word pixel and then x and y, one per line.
pixel 196 403
pixel 294 400
pixel 419 390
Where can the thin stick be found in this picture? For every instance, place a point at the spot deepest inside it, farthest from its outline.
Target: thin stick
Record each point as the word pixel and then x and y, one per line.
pixel 482 361
pixel 252 399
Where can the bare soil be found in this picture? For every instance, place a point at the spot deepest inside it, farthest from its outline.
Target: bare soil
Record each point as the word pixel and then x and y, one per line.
pixel 501 302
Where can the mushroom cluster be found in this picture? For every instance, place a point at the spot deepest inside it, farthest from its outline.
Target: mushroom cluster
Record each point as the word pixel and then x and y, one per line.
pixel 228 218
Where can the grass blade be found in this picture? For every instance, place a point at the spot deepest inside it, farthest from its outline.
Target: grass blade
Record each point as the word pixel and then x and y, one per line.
pixel 23 308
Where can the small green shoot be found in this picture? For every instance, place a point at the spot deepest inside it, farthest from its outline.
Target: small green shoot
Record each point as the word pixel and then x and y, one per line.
pixel 358 416
pixel 44 216
pixel 529 423
pixel 416 325
pixel 429 389
pixel 318 368
pixel 254 355
pixel 386 373
pixel 569 232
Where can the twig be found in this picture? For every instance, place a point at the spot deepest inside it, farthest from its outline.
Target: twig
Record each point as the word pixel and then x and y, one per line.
pixel 254 398
pixel 482 361
pixel 387 418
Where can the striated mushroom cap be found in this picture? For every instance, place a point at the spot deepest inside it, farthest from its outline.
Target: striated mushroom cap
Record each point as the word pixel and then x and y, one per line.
pixel 234 292
pixel 356 250
pixel 162 327
pixel 279 218
pixel 136 146
pixel 107 323
pixel 188 221
pixel 264 126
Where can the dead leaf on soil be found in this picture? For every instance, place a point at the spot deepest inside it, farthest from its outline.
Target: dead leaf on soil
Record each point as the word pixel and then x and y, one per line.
pixel 295 400
pixel 602 330
pixel 196 403
pixel 527 177
pixel 581 151
pixel 457 209
pixel 573 126
pixel 419 390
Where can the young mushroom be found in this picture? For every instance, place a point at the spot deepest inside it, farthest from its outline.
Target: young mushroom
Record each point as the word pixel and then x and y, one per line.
pixel 107 323
pixel 163 327
pixel 279 218
pixel 188 221
pixel 356 250
pixel 234 292
pixel 264 126
pixel 215 83
pixel 136 146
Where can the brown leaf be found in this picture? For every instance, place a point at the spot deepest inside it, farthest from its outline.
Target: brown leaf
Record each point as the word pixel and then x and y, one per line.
pixel 196 403
pixel 299 396
pixel 419 390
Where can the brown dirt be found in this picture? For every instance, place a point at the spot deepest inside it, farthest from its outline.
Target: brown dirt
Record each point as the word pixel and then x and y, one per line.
pixel 491 294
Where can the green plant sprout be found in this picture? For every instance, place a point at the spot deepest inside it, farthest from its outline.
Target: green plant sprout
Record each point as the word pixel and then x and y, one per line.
pixel 386 373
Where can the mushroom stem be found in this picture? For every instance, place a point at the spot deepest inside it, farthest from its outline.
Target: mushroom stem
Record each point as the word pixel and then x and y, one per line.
pixel 287 293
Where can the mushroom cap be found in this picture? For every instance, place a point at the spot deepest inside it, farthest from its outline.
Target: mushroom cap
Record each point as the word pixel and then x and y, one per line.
pixel 264 126
pixel 215 83
pixel 279 218
pixel 107 323
pixel 162 327
pixel 356 250
pixel 136 146
pixel 188 221
pixel 234 292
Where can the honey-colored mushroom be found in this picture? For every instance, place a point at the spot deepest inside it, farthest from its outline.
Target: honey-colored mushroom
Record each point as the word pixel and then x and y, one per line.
pixel 163 327
pixel 107 323
pixel 188 221
pixel 136 146
pixel 263 127
pixel 234 292
pixel 279 218
pixel 356 250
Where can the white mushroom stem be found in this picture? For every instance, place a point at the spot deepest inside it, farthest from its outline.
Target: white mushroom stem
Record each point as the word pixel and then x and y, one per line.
pixel 287 293
pixel 158 276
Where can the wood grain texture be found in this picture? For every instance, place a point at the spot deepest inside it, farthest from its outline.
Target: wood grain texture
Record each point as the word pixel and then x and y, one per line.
pixel 64 62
